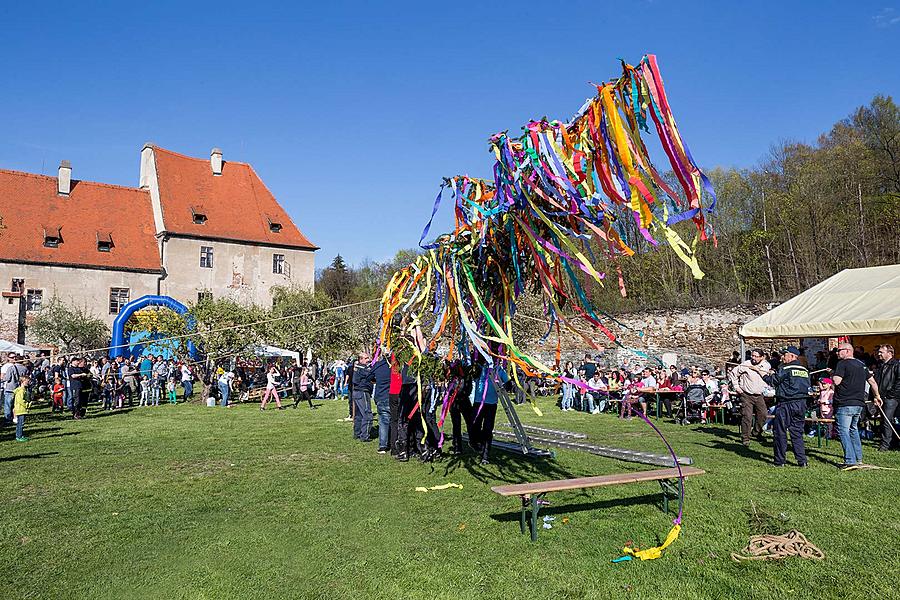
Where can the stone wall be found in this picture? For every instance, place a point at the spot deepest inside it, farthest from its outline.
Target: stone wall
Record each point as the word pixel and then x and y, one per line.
pixel 704 336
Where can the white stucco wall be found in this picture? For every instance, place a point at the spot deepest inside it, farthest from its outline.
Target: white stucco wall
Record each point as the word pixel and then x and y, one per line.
pixel 83 287
pixel 242 272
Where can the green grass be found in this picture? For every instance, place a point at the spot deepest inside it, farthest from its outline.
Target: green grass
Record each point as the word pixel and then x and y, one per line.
pixel 194 502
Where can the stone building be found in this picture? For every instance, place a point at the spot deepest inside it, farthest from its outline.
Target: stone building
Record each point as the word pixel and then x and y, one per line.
pixel 193 228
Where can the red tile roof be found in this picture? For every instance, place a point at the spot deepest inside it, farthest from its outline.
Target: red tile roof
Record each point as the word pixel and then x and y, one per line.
pixel 237 204
pixel 30 205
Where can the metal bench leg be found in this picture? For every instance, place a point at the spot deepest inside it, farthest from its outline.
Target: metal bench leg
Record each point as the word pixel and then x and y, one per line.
pixel 524 508
pixel 535 509
pixel 668 489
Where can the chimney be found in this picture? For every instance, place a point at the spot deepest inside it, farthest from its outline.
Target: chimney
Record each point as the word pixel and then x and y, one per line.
pixel 215 160
pixel 148 168
pixel 64 180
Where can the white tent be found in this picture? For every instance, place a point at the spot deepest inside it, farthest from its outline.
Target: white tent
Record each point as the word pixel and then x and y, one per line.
pixel 853 302
pixel 273 351
pixel 6 347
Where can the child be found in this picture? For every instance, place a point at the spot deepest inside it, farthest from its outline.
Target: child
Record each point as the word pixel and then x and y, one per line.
pixel 826 393
pixel 145 391
pixel 20 408
pixel 155 390
pixel 170 389
pixel 57 392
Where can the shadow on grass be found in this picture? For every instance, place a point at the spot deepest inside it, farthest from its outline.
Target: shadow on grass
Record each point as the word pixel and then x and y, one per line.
pixel 507 467
pixel 738 448
pixel 654 499
pixel 28 456
pixel 52 435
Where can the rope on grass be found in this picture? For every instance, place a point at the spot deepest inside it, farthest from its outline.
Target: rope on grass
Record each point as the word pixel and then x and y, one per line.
pixel 776 547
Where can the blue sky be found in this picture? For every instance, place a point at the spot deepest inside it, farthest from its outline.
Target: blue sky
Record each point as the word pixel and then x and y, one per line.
pixel 352 112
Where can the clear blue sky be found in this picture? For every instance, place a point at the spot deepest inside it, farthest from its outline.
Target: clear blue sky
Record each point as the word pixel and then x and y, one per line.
pixel 352 112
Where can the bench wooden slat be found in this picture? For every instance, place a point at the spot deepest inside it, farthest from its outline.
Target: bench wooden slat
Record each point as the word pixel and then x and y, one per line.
pixel 540 487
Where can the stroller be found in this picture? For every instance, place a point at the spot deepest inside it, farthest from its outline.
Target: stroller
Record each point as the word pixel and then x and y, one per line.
pixel 691 409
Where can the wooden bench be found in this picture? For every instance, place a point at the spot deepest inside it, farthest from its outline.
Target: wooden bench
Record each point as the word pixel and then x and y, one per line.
pixel 532 493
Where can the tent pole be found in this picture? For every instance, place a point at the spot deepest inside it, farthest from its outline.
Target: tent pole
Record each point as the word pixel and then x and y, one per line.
pixel 743 347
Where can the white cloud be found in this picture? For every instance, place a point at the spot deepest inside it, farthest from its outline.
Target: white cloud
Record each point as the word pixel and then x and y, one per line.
pixel 886 18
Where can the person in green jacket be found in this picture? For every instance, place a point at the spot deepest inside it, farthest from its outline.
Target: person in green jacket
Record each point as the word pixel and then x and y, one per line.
pixel 20 408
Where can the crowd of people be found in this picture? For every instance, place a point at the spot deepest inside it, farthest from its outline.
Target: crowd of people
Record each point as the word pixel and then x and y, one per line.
pixel 70 384
pixel 594 388
pixel 846 388
pixel 411 409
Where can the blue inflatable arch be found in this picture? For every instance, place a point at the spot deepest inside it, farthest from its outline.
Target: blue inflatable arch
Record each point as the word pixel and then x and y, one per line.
pixel 121 348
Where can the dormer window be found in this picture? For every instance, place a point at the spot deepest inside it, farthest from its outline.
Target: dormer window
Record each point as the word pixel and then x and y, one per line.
pixel 52 237
pixel 199 216
pixel 104 241
pixel 274 226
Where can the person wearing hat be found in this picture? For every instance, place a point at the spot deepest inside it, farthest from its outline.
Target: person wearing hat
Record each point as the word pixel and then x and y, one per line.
pixel 791 383
pixel 850 394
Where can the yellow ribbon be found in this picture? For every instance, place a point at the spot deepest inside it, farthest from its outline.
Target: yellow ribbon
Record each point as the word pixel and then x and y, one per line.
pixel 655 552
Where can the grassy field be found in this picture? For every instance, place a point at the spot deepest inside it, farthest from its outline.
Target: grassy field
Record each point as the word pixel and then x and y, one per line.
pixel 192 502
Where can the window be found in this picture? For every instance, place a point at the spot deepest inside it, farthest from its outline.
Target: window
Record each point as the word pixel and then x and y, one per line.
pixel 34 299
pixel 18 286
pixel 274 226
pixel 204 297
pixel 104 241
pixel 118 297
pixel 206 257
pixel 278 264
pixel 52 236
pixel 198 215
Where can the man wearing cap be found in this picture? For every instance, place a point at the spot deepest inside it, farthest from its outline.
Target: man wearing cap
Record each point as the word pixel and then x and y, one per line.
pixel 850 378
pixel 747 379
pixel 791 383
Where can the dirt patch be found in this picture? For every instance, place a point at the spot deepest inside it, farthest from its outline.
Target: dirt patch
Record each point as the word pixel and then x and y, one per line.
pixel 296 457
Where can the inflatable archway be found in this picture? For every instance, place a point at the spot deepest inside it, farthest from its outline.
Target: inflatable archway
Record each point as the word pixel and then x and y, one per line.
pixel 119 345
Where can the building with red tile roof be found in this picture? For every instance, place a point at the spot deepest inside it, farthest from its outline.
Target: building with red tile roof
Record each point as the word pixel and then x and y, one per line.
pixel 194 228
pixel 94 226
pixel 233 204
pixel 221 230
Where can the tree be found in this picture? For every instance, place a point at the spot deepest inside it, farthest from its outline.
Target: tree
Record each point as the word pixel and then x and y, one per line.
pixel 327 332
pixel 69 327
pixel 224 328
pixel 336 281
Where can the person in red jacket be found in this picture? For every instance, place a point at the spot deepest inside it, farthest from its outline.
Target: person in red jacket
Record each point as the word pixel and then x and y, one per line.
pixel 394 397
pixel 58 391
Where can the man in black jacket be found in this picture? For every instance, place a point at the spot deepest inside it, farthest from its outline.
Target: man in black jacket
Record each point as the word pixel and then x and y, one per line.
pixel 380 375
pixel 888 377
pixel 791 383
pixel 361 394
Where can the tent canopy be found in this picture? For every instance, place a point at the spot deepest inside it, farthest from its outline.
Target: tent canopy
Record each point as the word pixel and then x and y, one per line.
pixel 14 347
pixel 274 351
pixel 852 302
